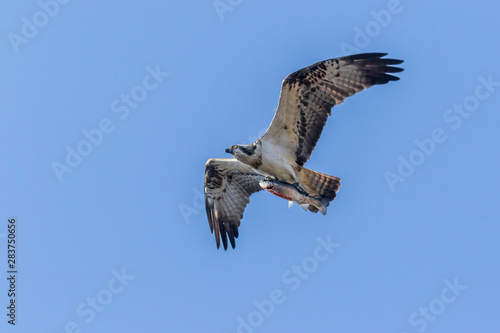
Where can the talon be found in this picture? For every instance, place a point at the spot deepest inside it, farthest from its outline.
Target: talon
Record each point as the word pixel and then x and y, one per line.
pixel 299 187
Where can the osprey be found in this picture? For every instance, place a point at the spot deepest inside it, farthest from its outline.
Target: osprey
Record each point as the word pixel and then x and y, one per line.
pixel 306 99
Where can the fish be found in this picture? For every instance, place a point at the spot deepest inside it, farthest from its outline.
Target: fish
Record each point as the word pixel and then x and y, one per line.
pixel 294 194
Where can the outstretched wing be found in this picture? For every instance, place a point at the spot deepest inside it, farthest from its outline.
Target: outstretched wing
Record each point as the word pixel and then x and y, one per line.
pixel 308 95
pixel 228 187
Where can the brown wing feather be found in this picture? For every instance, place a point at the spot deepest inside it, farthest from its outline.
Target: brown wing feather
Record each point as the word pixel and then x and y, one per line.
pixel 228 187
pixel 308 95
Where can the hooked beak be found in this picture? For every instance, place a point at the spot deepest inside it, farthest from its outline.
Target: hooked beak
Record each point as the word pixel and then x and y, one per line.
pixel 228 150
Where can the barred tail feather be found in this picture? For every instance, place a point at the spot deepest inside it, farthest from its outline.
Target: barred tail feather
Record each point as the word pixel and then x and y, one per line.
pixel 325 186
pixel 318 184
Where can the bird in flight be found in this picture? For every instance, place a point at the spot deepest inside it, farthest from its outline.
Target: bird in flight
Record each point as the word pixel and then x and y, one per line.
pixel 306 99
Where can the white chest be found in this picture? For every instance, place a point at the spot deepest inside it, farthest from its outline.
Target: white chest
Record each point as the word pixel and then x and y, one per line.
pixel 275 162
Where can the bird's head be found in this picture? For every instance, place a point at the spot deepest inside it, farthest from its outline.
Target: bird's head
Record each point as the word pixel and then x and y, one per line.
pixel 241 152
pixel 232 150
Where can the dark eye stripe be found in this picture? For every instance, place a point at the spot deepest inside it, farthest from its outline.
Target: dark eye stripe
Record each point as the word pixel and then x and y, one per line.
pixel 249 151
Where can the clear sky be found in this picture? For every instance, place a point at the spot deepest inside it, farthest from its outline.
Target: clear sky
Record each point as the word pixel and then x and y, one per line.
pixel 111 109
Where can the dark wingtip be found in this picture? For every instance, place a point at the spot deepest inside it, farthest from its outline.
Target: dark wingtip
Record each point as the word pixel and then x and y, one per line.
pixel 377 66
pixel 393 61
pixel 232 232
pixel 390 69
pixel 369 55
pixel 217 239
pixel 231 239
pixel 223 235
pixel 378 69
pixel 381 78
pixel 374 56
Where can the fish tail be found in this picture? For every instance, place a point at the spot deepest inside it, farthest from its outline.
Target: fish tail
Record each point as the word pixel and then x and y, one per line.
pixel 323 203
pixel 319 205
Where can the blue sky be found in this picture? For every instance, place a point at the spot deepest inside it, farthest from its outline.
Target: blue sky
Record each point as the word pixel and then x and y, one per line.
pixel 116 238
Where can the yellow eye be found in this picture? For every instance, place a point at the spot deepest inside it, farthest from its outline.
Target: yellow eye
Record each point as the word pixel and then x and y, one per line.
pixel 235 146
